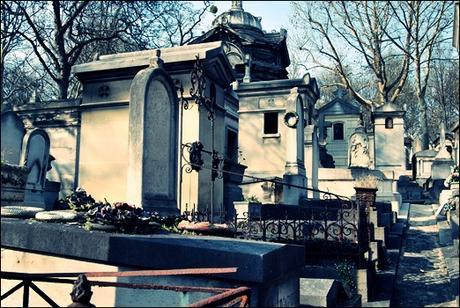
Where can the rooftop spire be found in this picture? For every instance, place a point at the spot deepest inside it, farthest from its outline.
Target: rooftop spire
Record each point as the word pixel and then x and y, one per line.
pixel 237 6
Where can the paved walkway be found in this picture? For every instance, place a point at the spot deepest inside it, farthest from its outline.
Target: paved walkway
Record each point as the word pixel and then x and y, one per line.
pixel 422 275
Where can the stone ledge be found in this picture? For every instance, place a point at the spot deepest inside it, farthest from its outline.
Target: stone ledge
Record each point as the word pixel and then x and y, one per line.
pixel 257 262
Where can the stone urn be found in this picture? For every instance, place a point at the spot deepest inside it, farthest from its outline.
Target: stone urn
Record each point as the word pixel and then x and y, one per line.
pixel 366 196
pixel 13 183
pixel 365 199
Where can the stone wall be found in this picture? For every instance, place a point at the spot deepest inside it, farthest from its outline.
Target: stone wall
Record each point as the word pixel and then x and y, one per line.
pixel 270 270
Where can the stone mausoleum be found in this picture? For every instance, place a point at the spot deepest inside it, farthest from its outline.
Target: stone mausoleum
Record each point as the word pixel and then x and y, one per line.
pixel 259 60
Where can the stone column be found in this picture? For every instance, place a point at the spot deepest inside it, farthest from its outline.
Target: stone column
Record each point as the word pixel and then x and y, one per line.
pixel 312 158
pixel 365 199
pixel 294 169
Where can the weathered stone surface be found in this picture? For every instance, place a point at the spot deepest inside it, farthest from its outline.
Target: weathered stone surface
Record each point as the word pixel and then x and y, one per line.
pixel 257 262
pixel 58 216
pixel 318 292
pixel 358 149
pixel 19 211
pixel 152 142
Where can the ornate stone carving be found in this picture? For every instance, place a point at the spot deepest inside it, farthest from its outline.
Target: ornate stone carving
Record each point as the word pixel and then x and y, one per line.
pixel 358 149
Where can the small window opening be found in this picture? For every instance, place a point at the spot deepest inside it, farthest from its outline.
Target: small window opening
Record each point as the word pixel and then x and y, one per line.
pixel 338 131
pixel 271 123
pixel 389 122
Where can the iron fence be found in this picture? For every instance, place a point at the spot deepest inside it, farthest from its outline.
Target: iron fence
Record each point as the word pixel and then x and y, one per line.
pixel 220 296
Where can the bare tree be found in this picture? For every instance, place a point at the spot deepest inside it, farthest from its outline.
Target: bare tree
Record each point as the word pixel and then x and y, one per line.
pixel 340 35
pixel 11 24
pixel 442 97
pixel 58 36
pixel 426 22
pixel 64 33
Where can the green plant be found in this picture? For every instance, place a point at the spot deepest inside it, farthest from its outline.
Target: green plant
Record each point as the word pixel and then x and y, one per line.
pixel 346 271
pixel 252 198
pixel 13 174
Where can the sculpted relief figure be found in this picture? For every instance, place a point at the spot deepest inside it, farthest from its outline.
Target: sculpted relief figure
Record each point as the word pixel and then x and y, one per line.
pixel 358 149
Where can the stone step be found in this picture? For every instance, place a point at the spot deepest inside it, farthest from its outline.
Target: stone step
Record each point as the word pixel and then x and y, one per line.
pixel 318 292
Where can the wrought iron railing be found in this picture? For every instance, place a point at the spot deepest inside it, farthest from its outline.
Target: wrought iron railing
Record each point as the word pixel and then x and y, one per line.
pixel 221 296
pixel 330 220
pixel 333 224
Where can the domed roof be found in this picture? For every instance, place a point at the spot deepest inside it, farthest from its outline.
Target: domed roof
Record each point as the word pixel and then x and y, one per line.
pixel 237 16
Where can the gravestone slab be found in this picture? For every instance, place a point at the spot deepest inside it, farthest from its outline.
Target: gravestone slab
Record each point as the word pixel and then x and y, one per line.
pixel 36 159
pixel 152 141
pixel 12 134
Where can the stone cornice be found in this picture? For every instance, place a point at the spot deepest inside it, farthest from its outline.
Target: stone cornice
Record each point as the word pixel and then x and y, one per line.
pixel 50 114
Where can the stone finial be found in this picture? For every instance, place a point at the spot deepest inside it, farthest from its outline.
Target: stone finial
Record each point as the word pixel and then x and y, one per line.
pixel 247 68
pixel 157 62
pixel 237 6
pixel 341 92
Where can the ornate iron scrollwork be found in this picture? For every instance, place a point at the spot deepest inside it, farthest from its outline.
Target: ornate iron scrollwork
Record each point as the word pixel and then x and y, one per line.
pixel 217 160
pixel 195 155
pixel 197 91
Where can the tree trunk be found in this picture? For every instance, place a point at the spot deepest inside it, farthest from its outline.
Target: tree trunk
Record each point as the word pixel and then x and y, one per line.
pixel 64 82
pixel 63 87
pixel 424 134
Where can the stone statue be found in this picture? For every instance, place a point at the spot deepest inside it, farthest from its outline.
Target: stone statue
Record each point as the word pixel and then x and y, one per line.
pixel 247 68
pixel 358 149
pixel 237 5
